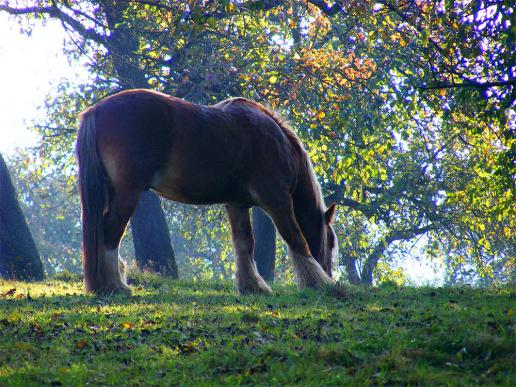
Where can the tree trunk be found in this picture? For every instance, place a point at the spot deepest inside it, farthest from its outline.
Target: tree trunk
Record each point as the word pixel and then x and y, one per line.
pixel 264 234
pixel 366 277
pixel 152 246
pixel 19 257
pixel 351 269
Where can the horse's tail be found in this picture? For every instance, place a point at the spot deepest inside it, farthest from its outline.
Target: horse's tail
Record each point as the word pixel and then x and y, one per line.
pixel 93 192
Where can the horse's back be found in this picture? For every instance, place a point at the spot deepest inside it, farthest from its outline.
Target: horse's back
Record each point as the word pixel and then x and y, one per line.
pixel 190 153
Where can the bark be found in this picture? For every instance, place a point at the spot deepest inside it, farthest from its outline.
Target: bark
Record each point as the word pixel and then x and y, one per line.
pixel 264 234
pixel 152 246
pixel 366 277
pixel 19 257
pixel 351 269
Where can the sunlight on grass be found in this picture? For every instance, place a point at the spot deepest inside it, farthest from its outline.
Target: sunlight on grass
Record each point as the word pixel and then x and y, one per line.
pixel 173 332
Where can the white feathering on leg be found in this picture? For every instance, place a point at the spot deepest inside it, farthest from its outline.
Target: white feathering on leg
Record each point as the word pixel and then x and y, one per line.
pixel 308 272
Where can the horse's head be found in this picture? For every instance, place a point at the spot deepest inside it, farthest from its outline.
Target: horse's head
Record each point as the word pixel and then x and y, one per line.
pixel 329 247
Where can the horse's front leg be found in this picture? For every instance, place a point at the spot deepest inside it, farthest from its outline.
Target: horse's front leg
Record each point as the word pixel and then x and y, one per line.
pixel 248 280
pixel 308 271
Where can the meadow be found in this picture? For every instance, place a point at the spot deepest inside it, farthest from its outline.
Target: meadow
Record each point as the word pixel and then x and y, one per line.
pixel 204 333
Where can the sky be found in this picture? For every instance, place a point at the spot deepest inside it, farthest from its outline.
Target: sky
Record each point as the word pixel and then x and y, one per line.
pixel 31 66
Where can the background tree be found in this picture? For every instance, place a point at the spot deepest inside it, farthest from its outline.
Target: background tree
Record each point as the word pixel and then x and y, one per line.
pixel 264 234
pixel 19 258
pixel 405 108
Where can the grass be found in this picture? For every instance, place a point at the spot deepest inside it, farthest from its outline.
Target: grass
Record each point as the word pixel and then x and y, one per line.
pixel 191 333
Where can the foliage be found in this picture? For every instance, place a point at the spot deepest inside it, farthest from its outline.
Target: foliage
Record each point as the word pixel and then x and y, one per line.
pixel 177 332
pixel 407 109
pixel 52 210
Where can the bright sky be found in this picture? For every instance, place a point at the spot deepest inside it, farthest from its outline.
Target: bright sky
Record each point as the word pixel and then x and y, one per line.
pixel 29 66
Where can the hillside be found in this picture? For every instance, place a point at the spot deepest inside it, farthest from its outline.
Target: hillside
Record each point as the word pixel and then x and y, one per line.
pixel 204 333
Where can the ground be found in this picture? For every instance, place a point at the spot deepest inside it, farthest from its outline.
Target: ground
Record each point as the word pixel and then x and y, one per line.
pixel 191 333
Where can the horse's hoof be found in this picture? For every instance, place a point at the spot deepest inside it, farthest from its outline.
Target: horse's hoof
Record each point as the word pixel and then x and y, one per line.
pixel 121 289
pixel 260 287
pixel 310 274
pixel 250 282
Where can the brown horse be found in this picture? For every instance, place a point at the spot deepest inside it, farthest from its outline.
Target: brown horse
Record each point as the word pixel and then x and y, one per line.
pixel 236 152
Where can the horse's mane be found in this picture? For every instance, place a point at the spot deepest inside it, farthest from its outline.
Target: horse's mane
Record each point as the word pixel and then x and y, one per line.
pixel 284 125
pixel 281 121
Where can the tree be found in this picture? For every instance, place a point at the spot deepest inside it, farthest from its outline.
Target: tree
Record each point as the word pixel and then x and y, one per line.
pixel 264 234
pixel 155 254
pixel 153 246
pixel 19 257
pixel 404 107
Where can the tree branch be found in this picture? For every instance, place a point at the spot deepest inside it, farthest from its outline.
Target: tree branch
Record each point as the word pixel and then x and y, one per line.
pixel 55 12
pixel 469 83
pixel 371 262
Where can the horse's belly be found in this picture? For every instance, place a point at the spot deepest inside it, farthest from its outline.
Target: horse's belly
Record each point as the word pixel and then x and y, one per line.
pixel 200 188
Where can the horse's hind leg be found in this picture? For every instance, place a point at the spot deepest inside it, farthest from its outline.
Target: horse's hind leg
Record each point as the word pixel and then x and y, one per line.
pixel 248 280
pixel 121 206
pixel 308 271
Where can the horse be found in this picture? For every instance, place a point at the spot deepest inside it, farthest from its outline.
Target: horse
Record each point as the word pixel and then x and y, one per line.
pixel 237 153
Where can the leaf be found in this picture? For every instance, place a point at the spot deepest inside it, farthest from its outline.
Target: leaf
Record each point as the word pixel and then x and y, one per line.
pixel 425 37
pixel 273 79
pixel 81 344
pixel 22 346
pixel 250 317
pixel 320 115
pixel 10 292
pixel 442 92
pixel 211 22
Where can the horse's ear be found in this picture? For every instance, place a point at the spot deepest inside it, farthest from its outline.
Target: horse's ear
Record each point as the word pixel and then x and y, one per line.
pixel 328 215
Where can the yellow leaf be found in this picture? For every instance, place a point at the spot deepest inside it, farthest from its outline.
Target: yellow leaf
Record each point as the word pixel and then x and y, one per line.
pixel 442 92
pixel 320 115
pixel 273 79
pixel 22 346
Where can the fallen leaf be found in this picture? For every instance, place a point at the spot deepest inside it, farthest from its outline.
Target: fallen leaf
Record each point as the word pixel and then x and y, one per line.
pixel 320 115
pixel 10 292
pixel 23 346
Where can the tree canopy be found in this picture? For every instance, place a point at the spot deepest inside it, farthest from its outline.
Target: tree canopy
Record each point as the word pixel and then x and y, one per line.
pixel 407 110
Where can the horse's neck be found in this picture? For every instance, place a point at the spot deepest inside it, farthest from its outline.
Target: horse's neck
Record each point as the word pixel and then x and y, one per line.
pixel 308 206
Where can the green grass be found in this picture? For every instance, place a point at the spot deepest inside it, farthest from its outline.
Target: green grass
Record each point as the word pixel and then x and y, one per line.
pixel 205 334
